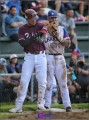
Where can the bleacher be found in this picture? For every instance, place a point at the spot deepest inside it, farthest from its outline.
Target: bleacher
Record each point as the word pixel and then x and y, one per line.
pixel 82 31
pixel 8 46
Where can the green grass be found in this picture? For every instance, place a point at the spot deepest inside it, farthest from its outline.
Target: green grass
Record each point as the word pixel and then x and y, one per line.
pixel 74 106
pixel 4 108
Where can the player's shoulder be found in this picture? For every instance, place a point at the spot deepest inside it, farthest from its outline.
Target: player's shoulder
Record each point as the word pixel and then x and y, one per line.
pixel 61 27
pixel 24 26
pixel 40 24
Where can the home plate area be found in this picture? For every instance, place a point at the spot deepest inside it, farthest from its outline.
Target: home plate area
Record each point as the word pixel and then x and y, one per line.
pixel 54 114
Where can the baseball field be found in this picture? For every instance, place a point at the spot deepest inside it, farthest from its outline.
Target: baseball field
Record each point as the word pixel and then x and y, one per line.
pixel 57 112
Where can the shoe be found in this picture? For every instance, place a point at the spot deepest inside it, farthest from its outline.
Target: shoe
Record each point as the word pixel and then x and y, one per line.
pixel 3 35
pixel 41 107
pixel 16 110
pixel 47 107
pixel 68 109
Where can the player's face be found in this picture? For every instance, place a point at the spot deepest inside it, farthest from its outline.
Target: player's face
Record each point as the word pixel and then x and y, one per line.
pixel 52 19
pixel 31 21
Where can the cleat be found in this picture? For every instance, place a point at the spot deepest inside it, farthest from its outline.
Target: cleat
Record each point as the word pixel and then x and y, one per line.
pixel 68 109
pixel 41 107
pixel 15 110
pixel 46 107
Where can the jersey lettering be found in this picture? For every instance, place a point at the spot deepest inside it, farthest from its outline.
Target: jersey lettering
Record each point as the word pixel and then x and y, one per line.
pixel 50 38
pixel 26 35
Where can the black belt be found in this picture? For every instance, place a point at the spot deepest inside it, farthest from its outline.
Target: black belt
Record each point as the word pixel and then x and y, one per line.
pixel 54 54
pixel 36 52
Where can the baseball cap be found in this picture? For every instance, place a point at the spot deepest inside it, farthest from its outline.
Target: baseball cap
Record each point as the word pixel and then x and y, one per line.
pixel 75 53
pixel 13 56
pixel 3 61
pixel 30 14
pixel 52 13
pixel 35 6
pixel 77 50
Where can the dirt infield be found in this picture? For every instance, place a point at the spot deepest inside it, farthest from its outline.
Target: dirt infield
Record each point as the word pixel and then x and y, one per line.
pixel 53 114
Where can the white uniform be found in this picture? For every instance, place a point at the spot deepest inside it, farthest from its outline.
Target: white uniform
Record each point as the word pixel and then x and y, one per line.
pixel 57 66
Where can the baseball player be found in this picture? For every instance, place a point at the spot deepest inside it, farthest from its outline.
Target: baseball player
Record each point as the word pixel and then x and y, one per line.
pixel 29 36
pixel 55 44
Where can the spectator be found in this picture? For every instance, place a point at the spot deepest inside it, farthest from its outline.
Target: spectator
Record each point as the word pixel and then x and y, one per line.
pixel 68 22
pixel 83 75
pixel 54 4
pixel 14 66
pixel 13 22
pixel 42 18
pixel 44 3
pixel 65 4
pixel 2 71
pixel 3 66
pixel 80 5
pixel 35 4
pixel 73 86
pixel 74 57
pixel 72 83
pixel 6 83
pixel 73 60
pixel 4 10
pixel 15 3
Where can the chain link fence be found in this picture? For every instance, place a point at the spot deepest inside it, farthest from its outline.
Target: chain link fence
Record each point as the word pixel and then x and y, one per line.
pixel 8 90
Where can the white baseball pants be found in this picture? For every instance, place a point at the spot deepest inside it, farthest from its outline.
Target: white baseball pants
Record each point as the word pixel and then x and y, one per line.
pixel 57 65
pixel 32 61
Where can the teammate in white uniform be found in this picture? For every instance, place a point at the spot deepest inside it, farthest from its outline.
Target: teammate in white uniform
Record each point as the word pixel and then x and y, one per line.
pixel 56 63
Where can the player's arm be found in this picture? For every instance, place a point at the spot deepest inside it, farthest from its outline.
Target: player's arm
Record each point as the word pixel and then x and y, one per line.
pixel 21 38
pixel 25 41
pixel 65 40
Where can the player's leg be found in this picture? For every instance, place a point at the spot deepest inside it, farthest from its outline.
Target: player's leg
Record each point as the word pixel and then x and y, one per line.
pixel 50 77
pixel 61 74
pixel 48 93
pixel 41 75
pixel 27 69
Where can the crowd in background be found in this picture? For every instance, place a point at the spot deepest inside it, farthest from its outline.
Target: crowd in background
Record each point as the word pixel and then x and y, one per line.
pixel 12 15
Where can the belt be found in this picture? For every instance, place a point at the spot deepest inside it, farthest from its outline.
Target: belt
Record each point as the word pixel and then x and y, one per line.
pixel 36 52
pixel 54 54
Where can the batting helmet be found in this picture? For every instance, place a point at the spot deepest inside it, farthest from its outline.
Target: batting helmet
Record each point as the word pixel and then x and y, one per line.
pixel 30 14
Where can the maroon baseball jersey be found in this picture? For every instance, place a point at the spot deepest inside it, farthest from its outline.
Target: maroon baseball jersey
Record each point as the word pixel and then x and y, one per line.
pixel 26 31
